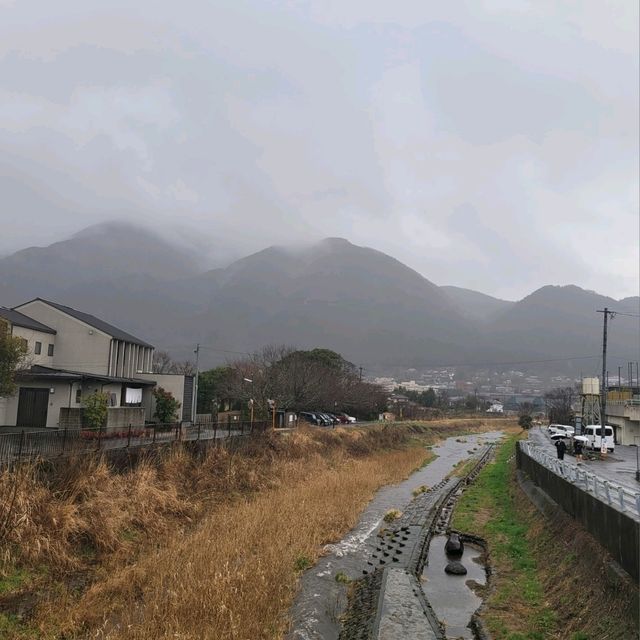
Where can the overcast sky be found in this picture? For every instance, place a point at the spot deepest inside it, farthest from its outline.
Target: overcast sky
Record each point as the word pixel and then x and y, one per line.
pixel 489 144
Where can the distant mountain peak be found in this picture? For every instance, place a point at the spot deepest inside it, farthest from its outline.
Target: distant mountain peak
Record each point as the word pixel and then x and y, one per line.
pixel 337 242
pixel 114 226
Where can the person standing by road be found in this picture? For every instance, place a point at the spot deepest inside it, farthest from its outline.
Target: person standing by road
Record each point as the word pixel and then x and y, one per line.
pixel 561 448
pixel 577 449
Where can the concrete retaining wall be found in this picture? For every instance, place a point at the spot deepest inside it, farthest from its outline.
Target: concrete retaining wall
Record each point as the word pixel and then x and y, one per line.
pixel 118 418
pixel 615 531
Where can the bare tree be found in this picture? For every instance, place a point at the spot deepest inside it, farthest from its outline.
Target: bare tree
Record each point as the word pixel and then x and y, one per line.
pixel 559 405
pixel 186 368
pixel 162 362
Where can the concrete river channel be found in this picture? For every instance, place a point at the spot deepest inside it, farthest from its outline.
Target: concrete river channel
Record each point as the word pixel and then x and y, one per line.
pixel 386 580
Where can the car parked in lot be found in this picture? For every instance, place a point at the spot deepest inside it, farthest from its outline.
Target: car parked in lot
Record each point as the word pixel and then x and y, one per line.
pixel 564 429
pixel 328 420
pixel 311 418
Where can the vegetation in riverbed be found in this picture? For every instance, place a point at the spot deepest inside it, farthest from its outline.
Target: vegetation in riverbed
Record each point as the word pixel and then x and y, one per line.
pixel 549 574
pixel 392 515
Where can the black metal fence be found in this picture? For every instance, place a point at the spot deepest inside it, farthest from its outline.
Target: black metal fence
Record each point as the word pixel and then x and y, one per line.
pixel 51 443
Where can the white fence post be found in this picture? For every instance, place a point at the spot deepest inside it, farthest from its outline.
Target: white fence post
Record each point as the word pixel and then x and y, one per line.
pixel 607 492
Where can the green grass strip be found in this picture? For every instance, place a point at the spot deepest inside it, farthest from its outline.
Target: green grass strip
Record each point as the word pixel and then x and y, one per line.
pixel 505 529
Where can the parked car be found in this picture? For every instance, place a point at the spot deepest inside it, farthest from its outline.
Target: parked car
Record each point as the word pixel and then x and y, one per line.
pixel 346 419
pixel 593 432
pixel 328 422
pixel 561 428
pixel 310 417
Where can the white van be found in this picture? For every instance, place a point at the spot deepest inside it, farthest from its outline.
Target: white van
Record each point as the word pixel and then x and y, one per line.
pixel 593 432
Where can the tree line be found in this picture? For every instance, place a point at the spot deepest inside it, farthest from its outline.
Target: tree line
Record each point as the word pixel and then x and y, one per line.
pixel 294 379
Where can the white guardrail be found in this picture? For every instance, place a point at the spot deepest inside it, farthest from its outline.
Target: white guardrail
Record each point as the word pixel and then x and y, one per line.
pixel 611 493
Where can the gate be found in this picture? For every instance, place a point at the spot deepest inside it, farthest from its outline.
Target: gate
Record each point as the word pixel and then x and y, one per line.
pixel 32 407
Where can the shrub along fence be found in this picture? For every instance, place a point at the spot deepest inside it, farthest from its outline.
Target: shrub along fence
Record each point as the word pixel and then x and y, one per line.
pixel 51 443
pixel 616 530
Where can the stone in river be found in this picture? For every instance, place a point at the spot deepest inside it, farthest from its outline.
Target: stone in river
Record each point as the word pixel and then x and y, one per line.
pixel 456 568
pixel 454 546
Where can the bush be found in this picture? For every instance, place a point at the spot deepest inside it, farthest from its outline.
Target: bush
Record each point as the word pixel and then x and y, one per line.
pixel 166 405
pixel 95 410
pixel 525 421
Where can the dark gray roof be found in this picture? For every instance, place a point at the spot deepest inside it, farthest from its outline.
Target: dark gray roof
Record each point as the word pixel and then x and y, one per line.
pixel 49 373
pixel 20 320
pixel 92 321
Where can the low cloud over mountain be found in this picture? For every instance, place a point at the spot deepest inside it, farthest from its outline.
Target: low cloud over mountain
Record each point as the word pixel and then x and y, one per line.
pixel 365 304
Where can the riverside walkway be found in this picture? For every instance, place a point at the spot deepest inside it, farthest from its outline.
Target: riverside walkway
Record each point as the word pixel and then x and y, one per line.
pixel 611 480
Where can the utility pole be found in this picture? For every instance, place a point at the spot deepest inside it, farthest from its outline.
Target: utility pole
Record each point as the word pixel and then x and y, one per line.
pixel 194 403
pixel 619 381
pixel 603 385
pixel 360 374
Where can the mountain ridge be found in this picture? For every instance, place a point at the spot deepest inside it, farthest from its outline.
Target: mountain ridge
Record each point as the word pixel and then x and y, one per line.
pixel 357 300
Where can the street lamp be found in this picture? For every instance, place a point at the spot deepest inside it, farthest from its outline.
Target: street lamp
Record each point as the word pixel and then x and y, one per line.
pixel 637 443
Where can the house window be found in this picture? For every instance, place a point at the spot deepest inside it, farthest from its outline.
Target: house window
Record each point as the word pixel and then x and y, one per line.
pixel 50 350
pixel 133 396
pixel 78 396
pixel 38 348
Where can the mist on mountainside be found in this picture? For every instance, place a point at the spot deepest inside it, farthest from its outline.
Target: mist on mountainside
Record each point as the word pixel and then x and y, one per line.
pixel 359 301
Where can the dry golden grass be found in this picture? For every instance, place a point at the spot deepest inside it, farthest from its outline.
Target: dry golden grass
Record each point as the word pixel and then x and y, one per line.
pixel 235 576
pixel 189 546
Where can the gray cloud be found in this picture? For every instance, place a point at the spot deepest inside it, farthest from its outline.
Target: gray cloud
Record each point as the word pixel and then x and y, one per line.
pixel 486 144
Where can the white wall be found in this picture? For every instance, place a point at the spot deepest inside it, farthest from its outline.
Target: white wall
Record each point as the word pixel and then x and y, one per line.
pixel 32 336
pixel 171 382
pixel 59 398
pixel 79 347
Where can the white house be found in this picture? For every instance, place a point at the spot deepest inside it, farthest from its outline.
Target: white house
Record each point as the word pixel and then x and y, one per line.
pixel 73 354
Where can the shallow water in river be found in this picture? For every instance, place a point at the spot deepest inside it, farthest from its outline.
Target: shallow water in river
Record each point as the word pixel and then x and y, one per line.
pixel 453 601
pixel 321 600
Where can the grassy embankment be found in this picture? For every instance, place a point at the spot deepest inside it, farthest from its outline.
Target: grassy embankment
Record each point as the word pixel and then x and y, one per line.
pixel 549 580
pixel 182 546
